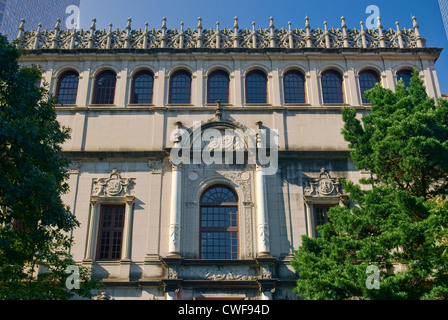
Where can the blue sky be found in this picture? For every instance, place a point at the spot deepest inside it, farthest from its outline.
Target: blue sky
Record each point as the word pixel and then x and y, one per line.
pixel 118 11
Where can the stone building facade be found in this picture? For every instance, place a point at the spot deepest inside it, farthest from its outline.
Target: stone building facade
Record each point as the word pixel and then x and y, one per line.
pixel 255 115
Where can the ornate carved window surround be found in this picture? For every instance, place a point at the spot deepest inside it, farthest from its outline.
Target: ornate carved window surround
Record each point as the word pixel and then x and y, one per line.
pixel 321 191
pixel 111 190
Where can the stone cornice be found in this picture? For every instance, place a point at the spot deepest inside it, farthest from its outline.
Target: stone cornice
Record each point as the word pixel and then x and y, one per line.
pixel 160 52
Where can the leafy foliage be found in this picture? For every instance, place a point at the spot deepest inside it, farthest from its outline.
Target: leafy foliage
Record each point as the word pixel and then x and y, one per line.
pixel 398 222
pixel 35 224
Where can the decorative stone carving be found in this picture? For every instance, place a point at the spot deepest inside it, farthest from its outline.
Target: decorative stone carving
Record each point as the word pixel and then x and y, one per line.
pixel 227 141
pixel 218 273
pixel 177 166
pixel 323 185
pixel 74 167
pixel 173 272
pixel 155 166
pixel 193 175
pixel 263 233
pixel 244 176
pixel 220 38
pixel 113 186
pixel 266 272
pixel 103 296
pixel 174 235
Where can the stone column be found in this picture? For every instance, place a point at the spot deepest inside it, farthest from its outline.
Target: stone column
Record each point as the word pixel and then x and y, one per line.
pixel 266 295
pixel 309 218
pixel 170 295
pixel 262 215
pixel 93 225
pixel 127 231
pixel 267 288
pixel 171 288
pixel 172 284
pixel 175 209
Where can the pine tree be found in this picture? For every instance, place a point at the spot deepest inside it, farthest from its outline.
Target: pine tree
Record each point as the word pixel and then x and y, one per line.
pixel 391 242
pixel 35 224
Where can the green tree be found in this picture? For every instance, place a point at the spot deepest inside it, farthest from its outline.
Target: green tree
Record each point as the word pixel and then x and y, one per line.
pixel 35 224
pixel 398 221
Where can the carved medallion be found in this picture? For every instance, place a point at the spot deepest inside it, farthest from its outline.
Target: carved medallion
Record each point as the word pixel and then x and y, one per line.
pixel 324 185
pixel 113 186
pixel 193 175
pixel 245 176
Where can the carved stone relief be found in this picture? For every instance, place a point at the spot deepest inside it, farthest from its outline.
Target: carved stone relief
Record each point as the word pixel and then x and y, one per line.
pixel 323 185
pixel 218 273
pixel 250 38
pixel 113 186
pixel 155 166
pixel 74 167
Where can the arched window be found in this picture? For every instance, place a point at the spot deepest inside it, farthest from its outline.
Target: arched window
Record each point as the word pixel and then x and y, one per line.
pixel 367 80
pixel 180 87
pixel 219 223
pixel 142 87
pixel 218 87
pixel 256 87
pixel 105 88
pixel 332 87
pixel 294 87
pixel 406 75
pixel 67 88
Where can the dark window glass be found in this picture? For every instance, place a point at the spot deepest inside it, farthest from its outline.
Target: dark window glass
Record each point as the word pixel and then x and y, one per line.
pixel 256 87
pixel 294 87
pixel 332 87
pixel 406 75
pixel 367 80
pixel 142 88
pixel 320 216
pixel 180 88
pixel 110 235
pixel 105 88
pixel 67 89
pixel 219 224
pixel 218 87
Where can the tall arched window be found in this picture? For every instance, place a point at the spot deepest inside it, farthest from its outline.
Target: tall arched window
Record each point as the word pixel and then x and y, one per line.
pixel 367 80
pixel 142 87
pixel 256 87
pixel 218 87
pixel 406 75
pixel 180 87
pixel 294 87
pixel 219 223
pixel 105 87
pixel 67 88
pixel 332 87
